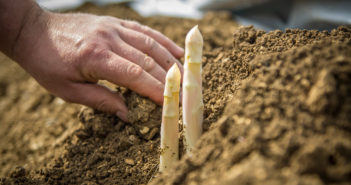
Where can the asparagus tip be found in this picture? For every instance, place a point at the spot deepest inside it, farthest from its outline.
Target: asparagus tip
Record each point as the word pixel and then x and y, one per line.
pixel 173 80
pixel 194 36
pixel 173 72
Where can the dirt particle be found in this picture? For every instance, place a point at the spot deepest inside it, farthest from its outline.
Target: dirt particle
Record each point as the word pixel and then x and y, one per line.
pixel 144 130
pixel 134 139
pixel 129 162
pixel 152 133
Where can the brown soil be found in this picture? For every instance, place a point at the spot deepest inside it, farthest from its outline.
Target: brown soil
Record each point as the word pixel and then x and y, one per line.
pixel 277 111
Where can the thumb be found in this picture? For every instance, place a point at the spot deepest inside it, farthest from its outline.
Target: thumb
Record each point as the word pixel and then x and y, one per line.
pixel 100 98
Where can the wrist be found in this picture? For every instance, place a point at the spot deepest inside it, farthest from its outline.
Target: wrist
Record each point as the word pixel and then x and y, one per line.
pixel 12 17
pixel 32 28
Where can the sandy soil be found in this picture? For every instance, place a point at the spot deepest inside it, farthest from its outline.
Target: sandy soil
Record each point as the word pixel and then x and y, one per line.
pixel 277 111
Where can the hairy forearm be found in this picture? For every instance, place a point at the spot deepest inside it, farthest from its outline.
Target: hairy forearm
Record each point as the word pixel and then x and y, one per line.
pixel 15 16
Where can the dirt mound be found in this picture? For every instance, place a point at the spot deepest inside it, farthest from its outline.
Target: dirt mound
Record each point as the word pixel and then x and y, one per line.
pixel 277 111
pixel 290 121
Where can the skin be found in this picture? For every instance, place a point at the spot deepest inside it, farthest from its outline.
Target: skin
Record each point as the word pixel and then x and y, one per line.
pixel 69 53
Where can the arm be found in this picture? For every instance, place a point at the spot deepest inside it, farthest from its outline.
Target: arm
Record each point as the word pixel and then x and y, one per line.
pixel 69 53
pixel 13 16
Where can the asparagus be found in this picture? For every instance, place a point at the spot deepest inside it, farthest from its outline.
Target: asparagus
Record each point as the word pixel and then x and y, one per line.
pixel 170 117
pixel 192 89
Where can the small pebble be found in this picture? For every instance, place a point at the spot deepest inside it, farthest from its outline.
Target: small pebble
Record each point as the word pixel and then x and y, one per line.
pixel 152 133
pixel 152 146
pixel 130 130
pixel 134 139
pixel 129 161
pixel 144 130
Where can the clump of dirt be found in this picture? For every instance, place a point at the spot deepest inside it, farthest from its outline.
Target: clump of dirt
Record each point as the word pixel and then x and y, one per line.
pixel 277 111
pixel 290 121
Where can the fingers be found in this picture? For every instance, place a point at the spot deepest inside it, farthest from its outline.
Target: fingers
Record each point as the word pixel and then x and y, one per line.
pixel 150 46
pixel 122 72
pixel 145 62
pixel 160 38
pixel 98 97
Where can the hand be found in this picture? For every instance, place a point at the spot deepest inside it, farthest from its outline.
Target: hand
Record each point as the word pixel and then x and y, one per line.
pixel 69 53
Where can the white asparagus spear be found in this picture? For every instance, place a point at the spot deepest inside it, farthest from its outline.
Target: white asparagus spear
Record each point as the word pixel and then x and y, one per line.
pixel 192 89
pixel 170 116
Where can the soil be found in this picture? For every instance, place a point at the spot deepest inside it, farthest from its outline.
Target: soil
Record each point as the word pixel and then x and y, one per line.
pixel 277 111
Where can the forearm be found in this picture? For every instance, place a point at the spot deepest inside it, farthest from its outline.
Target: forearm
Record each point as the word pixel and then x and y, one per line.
pixel 15 16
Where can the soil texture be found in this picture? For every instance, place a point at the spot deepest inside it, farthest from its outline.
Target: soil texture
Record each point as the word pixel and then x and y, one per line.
pixel 277 111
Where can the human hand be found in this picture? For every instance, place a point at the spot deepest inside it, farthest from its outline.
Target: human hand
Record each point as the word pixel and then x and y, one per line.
pixel 69 53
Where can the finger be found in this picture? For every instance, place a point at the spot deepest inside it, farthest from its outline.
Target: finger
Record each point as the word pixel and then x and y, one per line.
pixel 122 72
pixel 147 63
pixel 159 37
pixel 148 45
pixel 100 98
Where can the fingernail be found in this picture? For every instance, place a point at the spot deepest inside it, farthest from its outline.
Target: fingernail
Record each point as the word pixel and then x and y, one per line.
pixel 122 115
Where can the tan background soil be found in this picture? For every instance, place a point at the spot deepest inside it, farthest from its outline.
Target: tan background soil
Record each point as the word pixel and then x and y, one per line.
pixel 277 111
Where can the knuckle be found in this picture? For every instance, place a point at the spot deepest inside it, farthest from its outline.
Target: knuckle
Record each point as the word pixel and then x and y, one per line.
pixel 89 62
pixel 103 29
pixel 88 48
pixel 102 32
pixel 149 64
pixel 94 50
pixel 150 44
pixel 134 24
pixel 134 71
pixel 101 53
pixel 145 29
pixel 102 105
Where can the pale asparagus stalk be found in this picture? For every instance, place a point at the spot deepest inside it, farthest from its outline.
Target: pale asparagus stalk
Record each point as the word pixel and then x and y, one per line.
pixel 192 89
pixel 170 116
